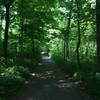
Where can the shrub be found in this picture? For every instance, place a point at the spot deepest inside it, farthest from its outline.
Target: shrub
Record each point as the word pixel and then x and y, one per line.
pixel 10 81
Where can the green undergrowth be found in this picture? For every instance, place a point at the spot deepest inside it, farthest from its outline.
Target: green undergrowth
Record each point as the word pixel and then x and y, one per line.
pixel 86 74
pixel 14 76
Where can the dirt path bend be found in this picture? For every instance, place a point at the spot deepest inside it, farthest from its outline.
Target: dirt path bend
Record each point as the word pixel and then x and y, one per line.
pixel 48 82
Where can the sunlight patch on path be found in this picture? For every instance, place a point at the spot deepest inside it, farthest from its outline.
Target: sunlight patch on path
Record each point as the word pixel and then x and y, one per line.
pixel 46 58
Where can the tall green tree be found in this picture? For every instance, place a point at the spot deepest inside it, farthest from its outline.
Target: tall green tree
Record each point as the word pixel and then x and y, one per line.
pixel 78 32
pixel 66 34
pixel 7 4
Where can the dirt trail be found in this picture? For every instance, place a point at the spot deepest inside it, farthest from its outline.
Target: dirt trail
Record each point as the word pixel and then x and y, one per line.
pixel 48 82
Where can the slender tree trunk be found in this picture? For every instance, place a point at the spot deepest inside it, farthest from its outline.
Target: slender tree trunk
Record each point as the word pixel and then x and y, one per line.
pixel 66 35
pixel 6 33
pixel 33 47
pixel 0 28
pixel 1 31
pixel 0 34
pixel 21 38
pixel 22 29
pixel 87 49
pixel 79 34
pixel 98 31
pixel 68 28
pixel 65 47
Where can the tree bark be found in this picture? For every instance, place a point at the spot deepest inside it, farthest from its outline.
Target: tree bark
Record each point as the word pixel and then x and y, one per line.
pixel 66 35
pixel 21 37
pixel 65 47
pixel 79 34
pixel 0 25
pixel 33 46
pixel 98 31
pixel 22 29
pixel 68 28
pixel 6 33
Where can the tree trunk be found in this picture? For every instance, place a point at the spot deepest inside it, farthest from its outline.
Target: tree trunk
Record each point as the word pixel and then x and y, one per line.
pixel 66 35
pixel 98 31
pixel 79 34
pixel 0 28
pixel 22 29
pixel 33 47
pixel 6 33
pixel 65 47
pixel 21 37
pixel 68 28
pixel 87 49
pixel 0 39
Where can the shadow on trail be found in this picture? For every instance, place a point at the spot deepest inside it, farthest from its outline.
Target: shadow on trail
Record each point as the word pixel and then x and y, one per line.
pixel 48 82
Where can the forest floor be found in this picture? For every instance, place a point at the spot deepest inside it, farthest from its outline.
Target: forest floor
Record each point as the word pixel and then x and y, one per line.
pixel 49 82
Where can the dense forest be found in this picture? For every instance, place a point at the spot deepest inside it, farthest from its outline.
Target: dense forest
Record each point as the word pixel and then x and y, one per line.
pixel 68 30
